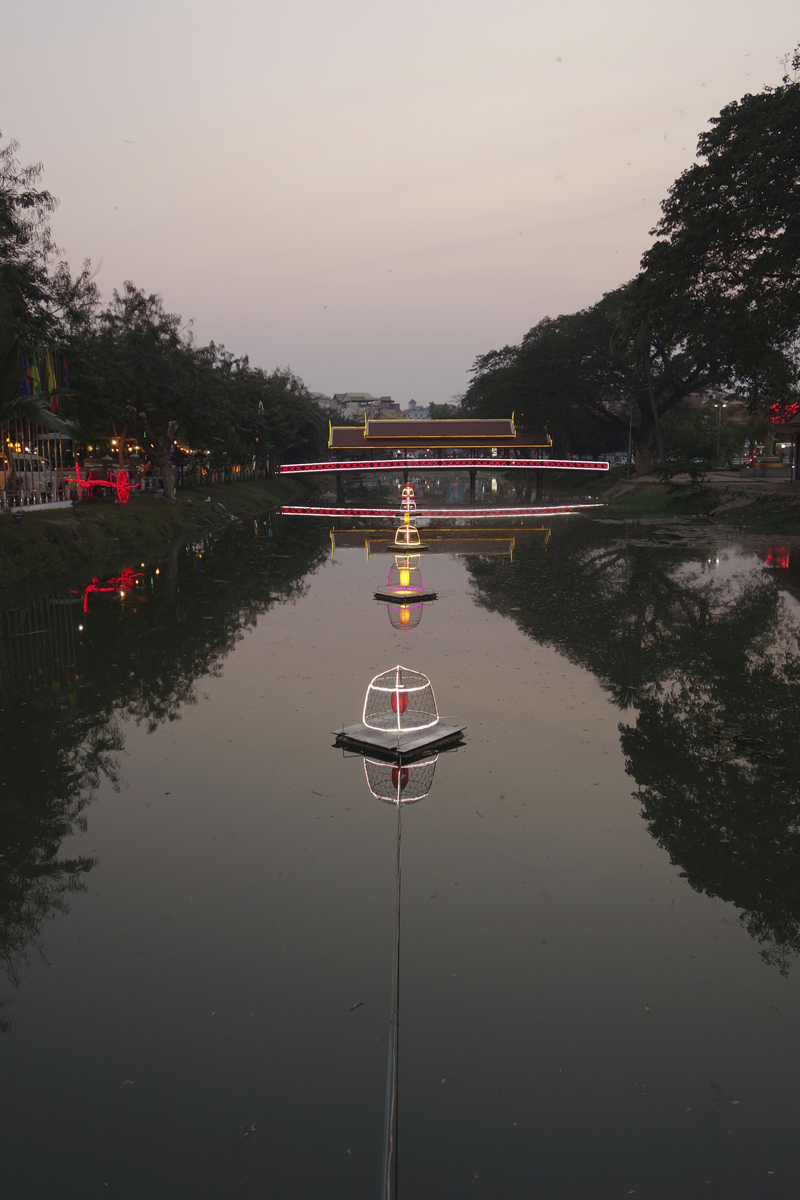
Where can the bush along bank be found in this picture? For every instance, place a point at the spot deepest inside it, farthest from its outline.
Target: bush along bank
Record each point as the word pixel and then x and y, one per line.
pixel 46 544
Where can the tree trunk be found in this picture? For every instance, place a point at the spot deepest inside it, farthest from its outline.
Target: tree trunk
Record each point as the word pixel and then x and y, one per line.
pixel 643 437
pixel 158 446
pixel 162 456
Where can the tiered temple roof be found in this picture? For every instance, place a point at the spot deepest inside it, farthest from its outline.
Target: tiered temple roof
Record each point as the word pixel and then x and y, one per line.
pixel 452 433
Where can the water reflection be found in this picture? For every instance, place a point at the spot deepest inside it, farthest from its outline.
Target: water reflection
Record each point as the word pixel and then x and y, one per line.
pixel 405 574
pixel 699 647
pixel 400 784
pixel 71 672
pixel 405 616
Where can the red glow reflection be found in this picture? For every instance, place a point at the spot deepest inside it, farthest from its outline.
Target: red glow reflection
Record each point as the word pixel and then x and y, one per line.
pixel 399 775
pixel 778 556
pixel 121 583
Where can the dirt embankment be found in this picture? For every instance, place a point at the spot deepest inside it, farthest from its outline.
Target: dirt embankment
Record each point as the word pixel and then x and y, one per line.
pixel 43 545
pixel 754 505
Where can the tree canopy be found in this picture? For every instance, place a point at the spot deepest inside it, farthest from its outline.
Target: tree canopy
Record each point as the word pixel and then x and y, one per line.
pixel 134 366
pixel 716 303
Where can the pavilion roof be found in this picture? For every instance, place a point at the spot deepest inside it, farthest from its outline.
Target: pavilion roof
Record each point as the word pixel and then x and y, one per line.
pixel 458 433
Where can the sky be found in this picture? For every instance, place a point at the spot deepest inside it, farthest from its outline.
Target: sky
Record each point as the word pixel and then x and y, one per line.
pixel 372 194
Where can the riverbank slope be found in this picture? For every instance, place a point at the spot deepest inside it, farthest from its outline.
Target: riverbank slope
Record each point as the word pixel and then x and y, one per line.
pixel 44 544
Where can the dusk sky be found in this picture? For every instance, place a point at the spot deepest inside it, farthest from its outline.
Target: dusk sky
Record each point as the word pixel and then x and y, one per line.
pixel 373 194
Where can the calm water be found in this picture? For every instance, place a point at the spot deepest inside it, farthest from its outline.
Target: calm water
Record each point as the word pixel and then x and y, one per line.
pixel 601 892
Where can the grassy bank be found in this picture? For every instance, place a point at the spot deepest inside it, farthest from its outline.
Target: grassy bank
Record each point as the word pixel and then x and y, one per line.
pixel 744 507
pixel 44 545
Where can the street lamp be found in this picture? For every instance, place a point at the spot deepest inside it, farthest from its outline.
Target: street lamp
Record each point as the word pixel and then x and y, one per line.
pixel 719 405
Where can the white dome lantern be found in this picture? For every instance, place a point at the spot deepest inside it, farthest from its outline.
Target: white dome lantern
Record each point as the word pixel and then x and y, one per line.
pixel 400 701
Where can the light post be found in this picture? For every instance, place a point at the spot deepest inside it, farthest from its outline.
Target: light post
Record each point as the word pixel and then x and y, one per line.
pixel 719 405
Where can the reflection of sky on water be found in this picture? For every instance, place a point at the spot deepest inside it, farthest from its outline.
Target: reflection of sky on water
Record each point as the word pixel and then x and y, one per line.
pixel 242 890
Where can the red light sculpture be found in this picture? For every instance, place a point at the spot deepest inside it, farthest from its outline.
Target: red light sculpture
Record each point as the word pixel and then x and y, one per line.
pixel 119 481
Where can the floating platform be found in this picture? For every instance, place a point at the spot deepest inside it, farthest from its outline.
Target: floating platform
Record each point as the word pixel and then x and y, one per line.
pixel 393 548
pixel 400 596
pixel 392 745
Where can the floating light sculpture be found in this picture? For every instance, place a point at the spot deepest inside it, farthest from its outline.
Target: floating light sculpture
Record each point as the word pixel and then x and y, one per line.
pixel 400 721
pixel 407 537
pixel 405 616
pixel 400 784
pixel 404 582
pixel 400 701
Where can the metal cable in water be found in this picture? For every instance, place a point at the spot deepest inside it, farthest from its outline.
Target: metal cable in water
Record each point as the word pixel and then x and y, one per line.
pixel 390 1117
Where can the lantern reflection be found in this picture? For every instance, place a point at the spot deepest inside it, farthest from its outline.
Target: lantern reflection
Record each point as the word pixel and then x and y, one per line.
pixel 404 573
pixel 405 616
pixel 396 783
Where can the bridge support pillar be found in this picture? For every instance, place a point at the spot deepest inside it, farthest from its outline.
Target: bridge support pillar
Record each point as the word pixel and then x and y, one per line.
pixel 538 487
pixel 472 477
pixel 340 486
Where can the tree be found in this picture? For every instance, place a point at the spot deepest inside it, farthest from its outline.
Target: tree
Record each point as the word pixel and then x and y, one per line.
pixel 716 304
pixel 561 378
pixel 723 276
pixel 136 364
pixel 40 301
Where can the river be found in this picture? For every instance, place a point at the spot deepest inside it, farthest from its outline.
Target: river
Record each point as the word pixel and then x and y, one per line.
pixel 600 890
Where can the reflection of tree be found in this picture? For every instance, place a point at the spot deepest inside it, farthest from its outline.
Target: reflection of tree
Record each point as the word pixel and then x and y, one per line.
pixel 711 664
pixel 62 696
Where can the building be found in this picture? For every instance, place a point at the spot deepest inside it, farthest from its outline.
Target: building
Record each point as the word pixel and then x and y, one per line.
pixel 416 412
pixel 355 405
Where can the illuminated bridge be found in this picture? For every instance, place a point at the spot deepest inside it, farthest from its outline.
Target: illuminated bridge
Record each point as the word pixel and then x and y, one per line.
pixel 481 445
pixel 446 464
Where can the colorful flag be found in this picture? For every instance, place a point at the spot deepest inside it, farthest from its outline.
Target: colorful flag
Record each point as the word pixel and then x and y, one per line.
pixel 36 383
pixel 50 373
pixel 52 381
pixel 66 374
pixel 26 387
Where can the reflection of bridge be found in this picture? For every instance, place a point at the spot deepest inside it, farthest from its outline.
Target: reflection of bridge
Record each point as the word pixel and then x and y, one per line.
pixel 457 542
pixel 311 510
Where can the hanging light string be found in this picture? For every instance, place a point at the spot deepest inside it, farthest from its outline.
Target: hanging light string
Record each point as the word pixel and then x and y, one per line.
pixel 390 1149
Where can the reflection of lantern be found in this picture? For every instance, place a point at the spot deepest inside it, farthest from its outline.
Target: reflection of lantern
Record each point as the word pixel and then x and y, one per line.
pixel 396 784
pixel 405 616
pixel 400 701
pixel 404 574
